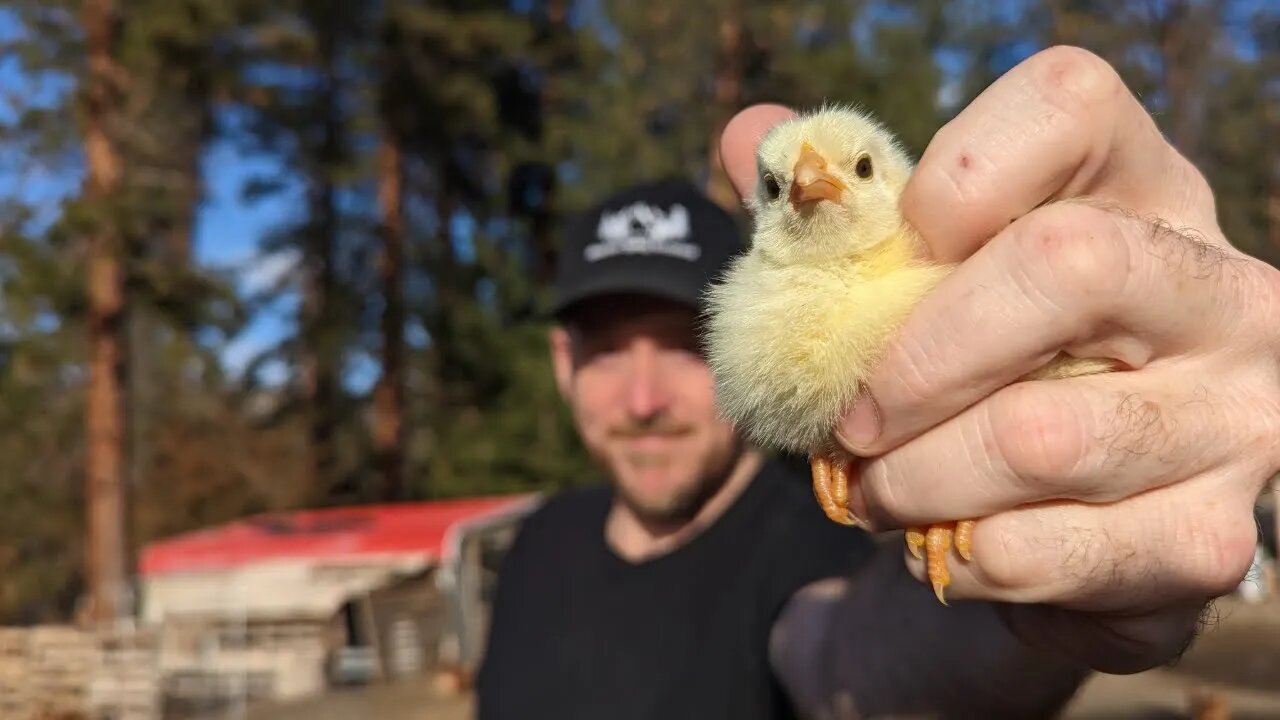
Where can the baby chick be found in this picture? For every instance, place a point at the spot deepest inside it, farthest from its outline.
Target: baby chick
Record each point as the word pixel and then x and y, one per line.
pixel 797 323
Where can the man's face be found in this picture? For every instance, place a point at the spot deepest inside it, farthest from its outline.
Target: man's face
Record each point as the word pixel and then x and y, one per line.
pixel 643 399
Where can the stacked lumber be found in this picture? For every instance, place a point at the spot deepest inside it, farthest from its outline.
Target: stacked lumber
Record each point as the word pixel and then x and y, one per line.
pixel 126 684
pixel 64 673
pixel 15 700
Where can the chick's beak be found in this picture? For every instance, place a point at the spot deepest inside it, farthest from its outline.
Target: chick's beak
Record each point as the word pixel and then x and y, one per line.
pixel 811 181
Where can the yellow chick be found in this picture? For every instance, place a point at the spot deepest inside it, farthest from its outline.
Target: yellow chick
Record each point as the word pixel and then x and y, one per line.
pixel 797 323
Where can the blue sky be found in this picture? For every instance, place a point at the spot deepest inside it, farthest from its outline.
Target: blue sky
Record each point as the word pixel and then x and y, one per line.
pixel 226 235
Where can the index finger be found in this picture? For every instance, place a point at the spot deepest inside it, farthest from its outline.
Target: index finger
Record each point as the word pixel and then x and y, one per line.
pixel 1060 124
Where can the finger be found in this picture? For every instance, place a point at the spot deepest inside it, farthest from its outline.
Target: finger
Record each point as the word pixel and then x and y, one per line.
pixel 1096 439
pixel 1060 124
pixel 740 138
pixel 1069 276
pixel 1189 541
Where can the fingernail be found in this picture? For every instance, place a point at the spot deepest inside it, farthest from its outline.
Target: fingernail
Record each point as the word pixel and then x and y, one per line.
pixel 862 427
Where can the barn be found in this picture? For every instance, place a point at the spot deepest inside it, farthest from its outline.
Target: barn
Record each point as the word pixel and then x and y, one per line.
pixel 286 605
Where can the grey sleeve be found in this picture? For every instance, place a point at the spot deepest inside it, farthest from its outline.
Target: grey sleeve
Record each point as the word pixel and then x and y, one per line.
pixel 879 644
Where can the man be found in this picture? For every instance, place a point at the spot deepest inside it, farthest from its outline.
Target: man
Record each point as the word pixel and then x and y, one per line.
pixel 701 581
pixel 652 596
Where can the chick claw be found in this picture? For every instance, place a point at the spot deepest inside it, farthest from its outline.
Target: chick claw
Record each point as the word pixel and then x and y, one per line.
pixel 932 543
pixel 831 486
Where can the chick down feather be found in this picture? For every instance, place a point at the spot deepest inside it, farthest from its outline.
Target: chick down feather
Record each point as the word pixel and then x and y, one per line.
pixel 791 344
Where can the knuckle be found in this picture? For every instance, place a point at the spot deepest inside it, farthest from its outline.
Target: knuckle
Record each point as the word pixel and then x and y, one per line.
pixel 1270 424
pixel 1010 562
pixel 1270 281
pixel 1257 398
pixel 1196 192
pixel 937 180
pixel 1263 306
pixel 1220 552
pixel 1039 439
pixel 1076 254
pixel 1261 409
pixel 1074 79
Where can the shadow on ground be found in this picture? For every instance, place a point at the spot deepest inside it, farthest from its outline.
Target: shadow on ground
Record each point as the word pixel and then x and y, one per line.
pixel 1239 656
pixel 1160 714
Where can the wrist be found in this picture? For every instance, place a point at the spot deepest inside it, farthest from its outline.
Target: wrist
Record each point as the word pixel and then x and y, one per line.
pixel 886 642
pixel 1111 643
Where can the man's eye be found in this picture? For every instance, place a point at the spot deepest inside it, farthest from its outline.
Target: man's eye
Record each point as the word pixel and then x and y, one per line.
pixel 771 187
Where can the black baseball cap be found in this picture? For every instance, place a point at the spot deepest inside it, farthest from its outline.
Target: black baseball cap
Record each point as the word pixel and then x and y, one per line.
pixel 665 239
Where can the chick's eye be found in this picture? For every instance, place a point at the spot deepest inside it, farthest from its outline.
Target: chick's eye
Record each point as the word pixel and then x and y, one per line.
pixel 863 168
pixel 771 187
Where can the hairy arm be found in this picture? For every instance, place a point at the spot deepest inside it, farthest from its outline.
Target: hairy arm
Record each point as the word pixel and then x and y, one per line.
pixel 880 644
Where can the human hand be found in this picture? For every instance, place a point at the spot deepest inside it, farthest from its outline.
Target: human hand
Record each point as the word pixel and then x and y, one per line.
pixel 1112 507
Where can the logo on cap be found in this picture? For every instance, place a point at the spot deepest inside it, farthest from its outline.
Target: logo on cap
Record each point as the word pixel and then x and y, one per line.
pixel 642 229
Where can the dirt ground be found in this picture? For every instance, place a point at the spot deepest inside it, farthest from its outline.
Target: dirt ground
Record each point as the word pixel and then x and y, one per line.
pixel 1238 655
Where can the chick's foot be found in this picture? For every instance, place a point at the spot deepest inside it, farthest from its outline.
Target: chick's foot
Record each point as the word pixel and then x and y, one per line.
pixel 932 543
pixel 831 486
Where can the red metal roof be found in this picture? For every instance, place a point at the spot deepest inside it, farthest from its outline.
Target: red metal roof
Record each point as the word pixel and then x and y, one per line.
pixel 407 529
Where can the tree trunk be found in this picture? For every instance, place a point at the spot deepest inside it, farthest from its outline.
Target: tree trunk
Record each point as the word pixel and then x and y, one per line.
pixel 319 365
pixel 443 396
pixel 177 242
pixel 1185 49
pixel 388 398
pixel 1270 127
pixel 728 98
pixel 1062 26
pixel 104 407
pixel 546 244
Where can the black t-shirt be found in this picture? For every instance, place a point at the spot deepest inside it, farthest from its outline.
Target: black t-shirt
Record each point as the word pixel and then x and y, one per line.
pixel 579 633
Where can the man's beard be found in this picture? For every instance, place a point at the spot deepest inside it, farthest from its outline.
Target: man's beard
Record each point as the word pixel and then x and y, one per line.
pixel 686 500
pixel 677 508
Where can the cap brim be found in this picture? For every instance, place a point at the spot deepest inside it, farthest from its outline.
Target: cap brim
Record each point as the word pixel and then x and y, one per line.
pixel 665 286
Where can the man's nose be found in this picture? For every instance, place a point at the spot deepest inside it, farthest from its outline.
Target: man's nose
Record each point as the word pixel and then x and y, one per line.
pixel 647 393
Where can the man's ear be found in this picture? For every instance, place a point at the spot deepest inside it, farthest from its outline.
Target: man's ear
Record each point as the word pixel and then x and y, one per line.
pixel 561 344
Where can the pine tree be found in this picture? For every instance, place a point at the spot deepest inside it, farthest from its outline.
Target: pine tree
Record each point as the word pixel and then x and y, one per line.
pixel 93 271
pixel 298 89
pixel 388 421
pixel 104 410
